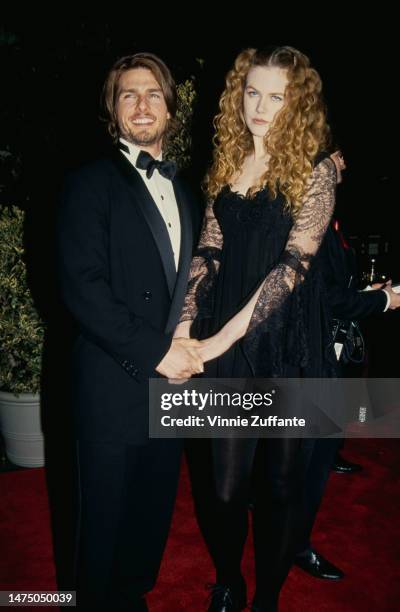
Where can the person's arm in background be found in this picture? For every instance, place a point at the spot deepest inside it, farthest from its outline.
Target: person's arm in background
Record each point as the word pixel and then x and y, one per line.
pixel 347 302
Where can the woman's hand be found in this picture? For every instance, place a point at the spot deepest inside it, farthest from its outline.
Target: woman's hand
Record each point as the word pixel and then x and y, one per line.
pixel 182 330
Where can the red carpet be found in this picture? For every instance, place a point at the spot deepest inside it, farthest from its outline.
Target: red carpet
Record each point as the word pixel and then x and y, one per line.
pixel 360 534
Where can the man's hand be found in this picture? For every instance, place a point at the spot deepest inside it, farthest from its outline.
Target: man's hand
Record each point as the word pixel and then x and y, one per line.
pixel 182 359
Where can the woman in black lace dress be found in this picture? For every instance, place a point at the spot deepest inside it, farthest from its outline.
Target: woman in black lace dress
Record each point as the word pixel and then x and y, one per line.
pixel 256 294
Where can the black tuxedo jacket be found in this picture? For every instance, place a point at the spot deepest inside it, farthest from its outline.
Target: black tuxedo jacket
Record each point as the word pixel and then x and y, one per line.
pixel 118 280
pixel 339 267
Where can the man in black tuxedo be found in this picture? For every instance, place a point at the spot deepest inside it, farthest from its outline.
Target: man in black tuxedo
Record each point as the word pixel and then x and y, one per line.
pixel 125 236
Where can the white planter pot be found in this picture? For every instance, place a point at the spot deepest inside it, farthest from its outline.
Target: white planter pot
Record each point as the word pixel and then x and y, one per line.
pixel 21 428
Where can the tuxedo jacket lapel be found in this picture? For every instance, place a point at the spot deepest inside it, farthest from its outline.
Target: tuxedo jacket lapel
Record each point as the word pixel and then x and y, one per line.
pixel 152 215
pixel 185 256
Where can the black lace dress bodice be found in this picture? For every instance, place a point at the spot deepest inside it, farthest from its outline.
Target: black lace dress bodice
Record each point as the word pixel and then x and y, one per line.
pixel 247 242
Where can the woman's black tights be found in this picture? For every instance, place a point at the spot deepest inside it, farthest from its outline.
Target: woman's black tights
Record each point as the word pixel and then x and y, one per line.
pixel 226 474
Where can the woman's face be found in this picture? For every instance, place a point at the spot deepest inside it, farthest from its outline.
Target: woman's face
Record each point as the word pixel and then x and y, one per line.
pixel 264 96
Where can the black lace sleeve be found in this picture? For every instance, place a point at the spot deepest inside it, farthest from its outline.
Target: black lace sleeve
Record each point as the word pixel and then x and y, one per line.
pixel 204 269
pixel 274 311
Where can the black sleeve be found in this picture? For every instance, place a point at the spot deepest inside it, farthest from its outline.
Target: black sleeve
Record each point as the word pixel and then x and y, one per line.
pixel 346 302
pixel 84 269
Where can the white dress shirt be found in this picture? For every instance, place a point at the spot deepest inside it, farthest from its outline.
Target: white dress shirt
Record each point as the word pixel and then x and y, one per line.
pixel 162 192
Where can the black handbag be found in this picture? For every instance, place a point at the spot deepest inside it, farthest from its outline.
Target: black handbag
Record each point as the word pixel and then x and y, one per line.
pixel 348 342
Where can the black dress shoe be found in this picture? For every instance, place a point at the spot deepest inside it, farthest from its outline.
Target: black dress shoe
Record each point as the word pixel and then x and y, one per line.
pixel 225 599
pixel 342 466
pixel 316 565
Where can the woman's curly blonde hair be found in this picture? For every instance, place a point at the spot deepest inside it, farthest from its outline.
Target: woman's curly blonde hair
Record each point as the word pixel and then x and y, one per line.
pixel 299 131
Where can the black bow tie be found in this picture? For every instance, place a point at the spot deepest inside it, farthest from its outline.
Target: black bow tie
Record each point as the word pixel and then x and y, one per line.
pixel 146 162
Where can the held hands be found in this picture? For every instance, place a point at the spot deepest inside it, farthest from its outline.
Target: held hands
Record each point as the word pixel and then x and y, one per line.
pixel 211 347
pixel 186 356
pixel 182 360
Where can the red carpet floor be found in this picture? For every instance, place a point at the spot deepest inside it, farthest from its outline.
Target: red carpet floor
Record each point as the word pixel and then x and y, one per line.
pixel 358 528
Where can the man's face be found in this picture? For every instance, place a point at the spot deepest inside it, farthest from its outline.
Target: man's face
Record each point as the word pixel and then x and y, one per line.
pixel 141 109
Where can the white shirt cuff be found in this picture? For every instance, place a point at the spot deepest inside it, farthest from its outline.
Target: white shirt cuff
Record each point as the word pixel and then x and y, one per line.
pixel 387 300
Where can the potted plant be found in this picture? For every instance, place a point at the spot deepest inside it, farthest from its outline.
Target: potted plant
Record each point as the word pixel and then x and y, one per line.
pixel 21 344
